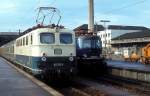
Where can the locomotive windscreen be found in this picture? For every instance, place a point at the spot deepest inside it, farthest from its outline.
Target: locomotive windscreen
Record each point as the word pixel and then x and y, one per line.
pixel 66 38
pixel 90 43
pixel 47 38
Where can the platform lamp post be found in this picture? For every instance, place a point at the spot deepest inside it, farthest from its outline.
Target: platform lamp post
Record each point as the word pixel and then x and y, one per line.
pixel 104 24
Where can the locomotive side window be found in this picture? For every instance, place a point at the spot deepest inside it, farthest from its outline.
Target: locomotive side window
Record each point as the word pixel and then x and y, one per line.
pixel 31 39
pixel 27 40
pixel 65 38
pixel 17 43
pixel 23 41
pixel 47 38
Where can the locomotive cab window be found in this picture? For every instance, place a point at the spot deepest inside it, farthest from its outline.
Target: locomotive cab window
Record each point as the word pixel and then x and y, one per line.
pixel 93 43
pixel 87 44
pixel 47 38
pixel 65 38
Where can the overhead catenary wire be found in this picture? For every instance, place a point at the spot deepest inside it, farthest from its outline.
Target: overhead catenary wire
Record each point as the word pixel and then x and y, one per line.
pixel 34 8
pixel 125 6
pixel 53 2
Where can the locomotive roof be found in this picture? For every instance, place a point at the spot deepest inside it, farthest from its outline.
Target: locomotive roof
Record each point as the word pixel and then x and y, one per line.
pixel 53 26
pixel 85 27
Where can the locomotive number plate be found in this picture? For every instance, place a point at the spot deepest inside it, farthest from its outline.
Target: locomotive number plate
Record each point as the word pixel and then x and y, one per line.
pixel 58 64
pixel 57 51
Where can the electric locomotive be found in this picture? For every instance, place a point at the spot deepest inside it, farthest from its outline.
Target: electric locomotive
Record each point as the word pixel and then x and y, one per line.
pixel 46 50
pixel 89 55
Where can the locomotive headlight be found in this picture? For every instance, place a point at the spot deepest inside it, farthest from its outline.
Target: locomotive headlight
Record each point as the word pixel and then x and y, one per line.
pixel 71 58
pixel 101 56
pixel 85 55
pixel 44 58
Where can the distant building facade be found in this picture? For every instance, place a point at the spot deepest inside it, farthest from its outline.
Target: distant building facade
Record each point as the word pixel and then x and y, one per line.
pixel 131 42
pixel 113 31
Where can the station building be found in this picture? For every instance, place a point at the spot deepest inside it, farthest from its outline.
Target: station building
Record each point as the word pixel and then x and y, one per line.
pixel 131 42
pixel 113 31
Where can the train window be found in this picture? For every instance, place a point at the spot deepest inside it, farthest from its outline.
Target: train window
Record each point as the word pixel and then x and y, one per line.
pixel 13 49
pixel 108 34
pixel 23 41
pixel 93 43
pixel 86 43
pixel 104 35
pixel 31 40
pixel 47 38
pixel 27 40
pixel 65 38
pixel 17 43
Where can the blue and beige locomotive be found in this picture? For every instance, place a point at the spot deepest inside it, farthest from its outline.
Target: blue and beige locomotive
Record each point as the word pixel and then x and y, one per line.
pixel 46 50
pixel 89 54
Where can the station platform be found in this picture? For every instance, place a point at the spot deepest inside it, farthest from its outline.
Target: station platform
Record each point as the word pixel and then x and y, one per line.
pixel 129 65
pixel 131 70
pixel 13 83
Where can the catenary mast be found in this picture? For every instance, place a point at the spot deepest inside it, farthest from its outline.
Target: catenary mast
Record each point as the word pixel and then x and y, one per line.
pixel 91 17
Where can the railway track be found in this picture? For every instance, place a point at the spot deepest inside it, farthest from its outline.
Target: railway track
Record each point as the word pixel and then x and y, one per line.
pixel 90 87
pixel 103 86
pixel 138 87
pixel 76 91
pixel 100 86
pixel 78 88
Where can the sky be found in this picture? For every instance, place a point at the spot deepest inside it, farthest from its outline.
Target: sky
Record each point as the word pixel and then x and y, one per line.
pixel 21 14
